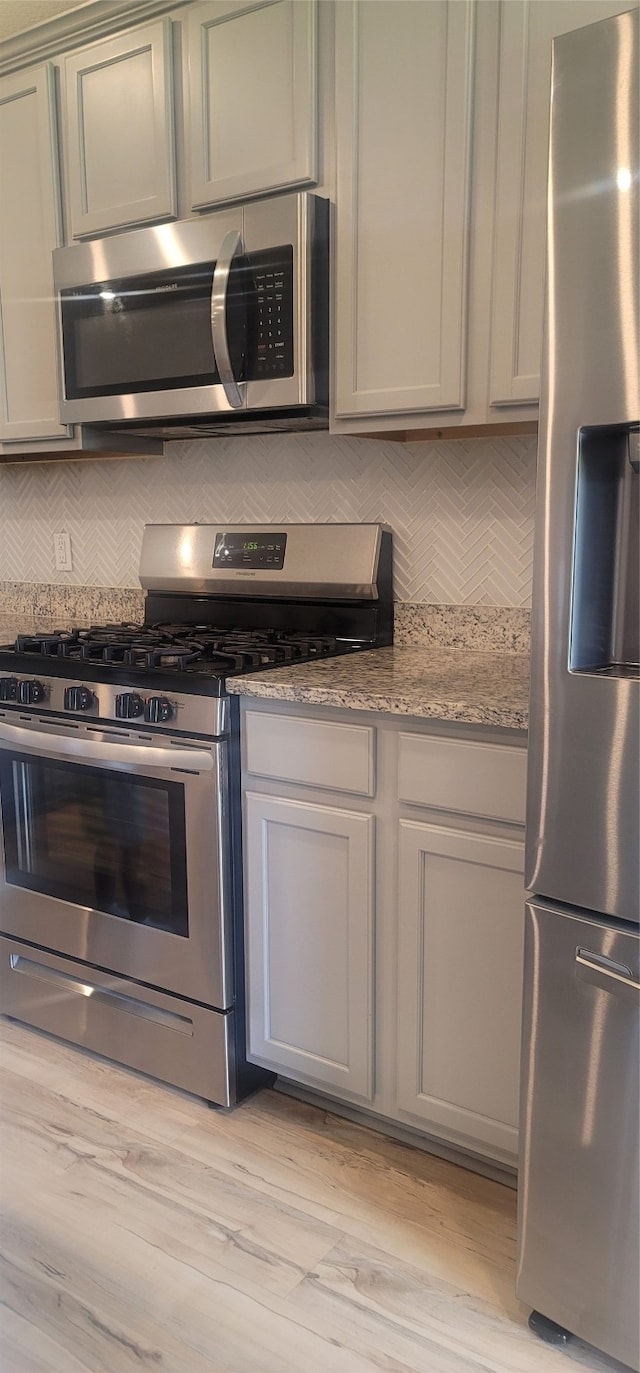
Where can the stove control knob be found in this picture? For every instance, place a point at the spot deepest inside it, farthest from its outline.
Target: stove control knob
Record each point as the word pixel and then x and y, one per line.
pixel 157 710
pixel 129 705
pixel 9 689
pixel 30 693
pixel 78 698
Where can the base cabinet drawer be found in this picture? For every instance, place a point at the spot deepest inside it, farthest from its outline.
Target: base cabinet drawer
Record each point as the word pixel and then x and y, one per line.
pixel 470 777
pixel 460 951
pixel 316 753
pixel 309 942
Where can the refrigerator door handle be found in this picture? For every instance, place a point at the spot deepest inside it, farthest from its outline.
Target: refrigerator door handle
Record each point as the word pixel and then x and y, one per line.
pixel 606 974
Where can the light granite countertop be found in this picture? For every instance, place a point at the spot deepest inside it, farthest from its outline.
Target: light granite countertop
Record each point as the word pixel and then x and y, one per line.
pixel 426 682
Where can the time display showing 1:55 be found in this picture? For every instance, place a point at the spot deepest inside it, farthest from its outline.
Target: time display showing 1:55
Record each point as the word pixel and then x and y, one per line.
pixel 250 552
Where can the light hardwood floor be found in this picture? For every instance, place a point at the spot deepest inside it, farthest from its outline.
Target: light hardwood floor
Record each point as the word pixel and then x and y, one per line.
pixel 141 1230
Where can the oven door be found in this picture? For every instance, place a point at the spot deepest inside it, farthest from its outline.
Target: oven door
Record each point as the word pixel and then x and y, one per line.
pixel 117 852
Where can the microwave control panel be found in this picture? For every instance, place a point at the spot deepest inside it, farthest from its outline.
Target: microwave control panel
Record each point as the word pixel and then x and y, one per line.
pixel 272 273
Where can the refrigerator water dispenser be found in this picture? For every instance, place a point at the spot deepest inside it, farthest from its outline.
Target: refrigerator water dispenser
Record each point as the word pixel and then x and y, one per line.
pixel 605 608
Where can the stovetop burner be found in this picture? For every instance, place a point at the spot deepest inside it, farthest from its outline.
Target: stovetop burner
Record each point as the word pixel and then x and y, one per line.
pixel 183 648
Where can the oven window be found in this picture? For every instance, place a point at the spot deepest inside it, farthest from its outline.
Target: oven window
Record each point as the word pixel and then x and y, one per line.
pixel 107 840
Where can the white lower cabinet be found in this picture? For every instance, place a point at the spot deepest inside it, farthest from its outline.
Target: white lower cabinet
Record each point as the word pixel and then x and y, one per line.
pixel 460 949
pixel 391 979
pixel 309 902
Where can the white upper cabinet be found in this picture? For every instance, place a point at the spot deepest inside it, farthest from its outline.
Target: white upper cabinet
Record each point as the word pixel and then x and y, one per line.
pixel 403 108
pixel 527 30
pixel 119 140
pixel 251 94
pixel 29 230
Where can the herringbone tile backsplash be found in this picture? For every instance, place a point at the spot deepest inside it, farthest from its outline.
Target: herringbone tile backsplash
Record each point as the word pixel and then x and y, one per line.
pixel 461 512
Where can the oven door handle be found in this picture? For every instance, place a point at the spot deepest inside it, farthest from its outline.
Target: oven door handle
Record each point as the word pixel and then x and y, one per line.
pixel 231 243
pixel 124 755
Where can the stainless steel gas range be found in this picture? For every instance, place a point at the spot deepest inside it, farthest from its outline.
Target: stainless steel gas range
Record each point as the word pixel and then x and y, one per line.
pixel 120 873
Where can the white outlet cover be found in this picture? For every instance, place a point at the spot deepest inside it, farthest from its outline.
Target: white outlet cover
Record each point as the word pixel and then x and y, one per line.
pixel 62 552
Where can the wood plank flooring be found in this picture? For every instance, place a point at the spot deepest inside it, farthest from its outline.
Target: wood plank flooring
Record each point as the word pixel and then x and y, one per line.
pixel 141 1230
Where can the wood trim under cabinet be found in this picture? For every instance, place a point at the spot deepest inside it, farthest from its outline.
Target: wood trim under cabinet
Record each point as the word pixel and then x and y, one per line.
pixel 90 444
pixel 463 431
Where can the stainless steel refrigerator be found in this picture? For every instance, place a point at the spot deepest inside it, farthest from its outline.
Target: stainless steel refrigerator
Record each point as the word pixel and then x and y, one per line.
pixel 578 1189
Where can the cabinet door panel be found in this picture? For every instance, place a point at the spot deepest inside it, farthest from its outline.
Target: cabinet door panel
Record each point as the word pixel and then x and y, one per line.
pixel 252 98
pixel 461 923
pixel 309 888
pixel 527 30
pixel 403 99
pixel 29 231
pixel 119 131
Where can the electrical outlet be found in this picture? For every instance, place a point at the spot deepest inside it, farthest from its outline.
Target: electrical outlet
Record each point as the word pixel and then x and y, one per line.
pixel 62 552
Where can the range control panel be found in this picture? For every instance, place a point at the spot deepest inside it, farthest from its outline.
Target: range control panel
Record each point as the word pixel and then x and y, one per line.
pixel 250 550
pixel 105 701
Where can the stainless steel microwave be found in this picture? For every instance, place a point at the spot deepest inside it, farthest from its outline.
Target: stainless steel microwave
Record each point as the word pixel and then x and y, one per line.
pixel 197 325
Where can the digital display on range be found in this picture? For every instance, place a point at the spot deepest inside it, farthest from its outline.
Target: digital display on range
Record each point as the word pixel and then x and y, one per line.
pixel 250 551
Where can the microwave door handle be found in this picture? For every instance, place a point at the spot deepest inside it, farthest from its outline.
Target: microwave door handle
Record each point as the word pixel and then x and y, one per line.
pixel 231 244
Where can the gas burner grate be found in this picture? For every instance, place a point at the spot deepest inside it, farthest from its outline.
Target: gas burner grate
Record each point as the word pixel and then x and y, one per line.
pixel 179 647
pixel 47 644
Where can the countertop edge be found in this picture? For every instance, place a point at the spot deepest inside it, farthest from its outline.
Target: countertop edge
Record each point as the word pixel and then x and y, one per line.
pixel 455 712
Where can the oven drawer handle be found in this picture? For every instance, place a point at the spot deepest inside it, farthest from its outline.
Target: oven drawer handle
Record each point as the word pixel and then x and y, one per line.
pixel 125 755
pixel 100 995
